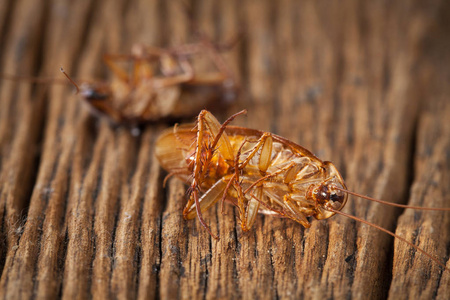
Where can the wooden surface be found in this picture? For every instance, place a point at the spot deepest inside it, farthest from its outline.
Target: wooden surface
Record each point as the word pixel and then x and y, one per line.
pixel 364 84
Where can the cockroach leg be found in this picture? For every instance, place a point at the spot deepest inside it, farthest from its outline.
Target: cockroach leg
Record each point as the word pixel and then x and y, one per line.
pixel 231 43
pixel 235 178
pixel 224 125
pixel 209 198
pixel 264 164
pixel 145 52
pixel 251 211
pixel 295 213
pixel 276 173
pixel 221 65
pixel 140 55
pixel 208 126
pixel 199 215
pixel 179 139
pixel 225 192
pixel 218 131
pixel 186 76
pixel 198 172
pixel 223 74
pixel 121 73
pixel 175 173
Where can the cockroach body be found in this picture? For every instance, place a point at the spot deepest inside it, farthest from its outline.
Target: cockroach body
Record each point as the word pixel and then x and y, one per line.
pixel 257 171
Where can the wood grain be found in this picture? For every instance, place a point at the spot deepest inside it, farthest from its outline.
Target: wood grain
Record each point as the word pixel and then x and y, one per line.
pixel 83 211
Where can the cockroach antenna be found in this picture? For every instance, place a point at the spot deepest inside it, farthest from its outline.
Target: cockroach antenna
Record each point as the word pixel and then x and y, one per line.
pixel 385 230
pixel 70 79
pixel 390 203
pixel 38 80
pixel 436 260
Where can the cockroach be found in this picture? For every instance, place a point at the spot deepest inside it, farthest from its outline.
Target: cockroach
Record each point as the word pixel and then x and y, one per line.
pixel 258 172
pixel 153 83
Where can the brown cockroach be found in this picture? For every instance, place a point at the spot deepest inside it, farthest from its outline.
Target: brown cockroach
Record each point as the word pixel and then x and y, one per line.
pixel 154 83
pixel 257 172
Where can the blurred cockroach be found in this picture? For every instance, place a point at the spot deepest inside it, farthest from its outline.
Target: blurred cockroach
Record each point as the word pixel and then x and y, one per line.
pixel 153 83
pixel 257 172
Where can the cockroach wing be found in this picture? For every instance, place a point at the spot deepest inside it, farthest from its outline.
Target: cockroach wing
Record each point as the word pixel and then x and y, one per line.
pixel 173 149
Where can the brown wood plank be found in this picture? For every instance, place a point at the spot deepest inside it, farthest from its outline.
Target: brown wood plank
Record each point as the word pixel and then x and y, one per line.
pixel 83 211
pixel 413 276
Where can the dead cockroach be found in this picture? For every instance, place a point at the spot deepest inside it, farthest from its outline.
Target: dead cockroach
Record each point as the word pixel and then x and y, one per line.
pixel 153 83
pixel 257 172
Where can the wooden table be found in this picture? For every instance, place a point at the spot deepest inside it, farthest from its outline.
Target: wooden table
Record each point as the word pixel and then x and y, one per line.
pixel 364 84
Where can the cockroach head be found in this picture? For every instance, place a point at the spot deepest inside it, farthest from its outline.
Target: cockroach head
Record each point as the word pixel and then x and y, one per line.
pixel 95 91
pixel 326 195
